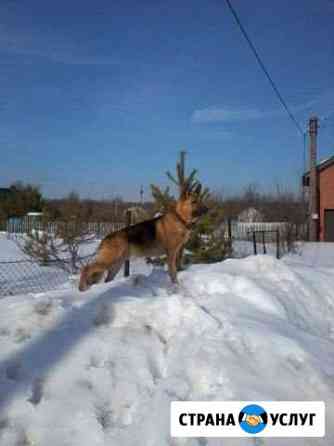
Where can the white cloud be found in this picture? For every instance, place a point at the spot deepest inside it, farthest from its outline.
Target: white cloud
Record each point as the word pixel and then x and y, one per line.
pixel 53 47
pixel 321 104
pixel 216 114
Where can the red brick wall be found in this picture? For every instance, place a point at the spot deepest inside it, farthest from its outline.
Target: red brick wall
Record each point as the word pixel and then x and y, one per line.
pixel 326 188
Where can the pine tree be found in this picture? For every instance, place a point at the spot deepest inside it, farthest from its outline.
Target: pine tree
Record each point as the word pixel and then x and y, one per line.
pixel 163 199
pixel 183 183
pixel 207 243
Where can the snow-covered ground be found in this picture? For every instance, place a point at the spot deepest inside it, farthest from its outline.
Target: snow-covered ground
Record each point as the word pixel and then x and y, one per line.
pixel 101 367
pixel 244 248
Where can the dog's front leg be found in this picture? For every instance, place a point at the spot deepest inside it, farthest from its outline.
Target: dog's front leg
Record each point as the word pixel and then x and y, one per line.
pixel 179 259
pixel 110 276
pixel 171 261
pixel 113 270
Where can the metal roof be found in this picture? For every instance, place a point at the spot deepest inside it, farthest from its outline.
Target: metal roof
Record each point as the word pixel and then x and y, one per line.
pixel 322 165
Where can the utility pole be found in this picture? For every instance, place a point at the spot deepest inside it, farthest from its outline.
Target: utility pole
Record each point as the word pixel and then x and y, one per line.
pixel 127 261
pixel 313 194
pixel 141 195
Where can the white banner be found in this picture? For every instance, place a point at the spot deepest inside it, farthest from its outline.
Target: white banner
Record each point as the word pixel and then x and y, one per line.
pixel 248 419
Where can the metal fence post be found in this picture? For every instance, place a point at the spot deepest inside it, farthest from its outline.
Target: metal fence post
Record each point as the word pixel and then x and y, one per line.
pixel 127 261
pixel 277 244
pixel 264 243
pixel 229 231
pixel 254 243
pixel 229 228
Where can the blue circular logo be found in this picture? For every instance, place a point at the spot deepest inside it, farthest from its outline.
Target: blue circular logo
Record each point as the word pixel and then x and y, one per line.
pixel 253 419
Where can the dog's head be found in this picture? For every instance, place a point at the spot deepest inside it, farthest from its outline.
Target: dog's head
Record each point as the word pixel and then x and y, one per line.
pixel 90 274
pixel 192 203
pixel 84 279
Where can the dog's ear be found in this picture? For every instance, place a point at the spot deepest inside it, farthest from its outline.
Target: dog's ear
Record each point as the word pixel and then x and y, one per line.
pixel 198 189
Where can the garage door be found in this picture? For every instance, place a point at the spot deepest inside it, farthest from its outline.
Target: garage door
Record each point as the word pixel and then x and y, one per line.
pixel 329 225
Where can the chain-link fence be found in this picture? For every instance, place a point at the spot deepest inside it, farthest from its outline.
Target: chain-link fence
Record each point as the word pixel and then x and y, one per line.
pixel 29 276
pixel 42 258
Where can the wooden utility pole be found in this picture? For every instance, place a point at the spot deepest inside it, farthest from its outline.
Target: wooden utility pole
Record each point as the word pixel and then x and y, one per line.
pixel 179 260
pixel 127 261
pixel 141 195
pixel 313 190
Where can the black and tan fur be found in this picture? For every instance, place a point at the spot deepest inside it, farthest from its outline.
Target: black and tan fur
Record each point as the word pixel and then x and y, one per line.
pixel 166 234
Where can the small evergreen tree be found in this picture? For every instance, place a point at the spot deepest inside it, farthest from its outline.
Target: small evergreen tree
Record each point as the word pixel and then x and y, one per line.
pixel 207 243
pixel 162 199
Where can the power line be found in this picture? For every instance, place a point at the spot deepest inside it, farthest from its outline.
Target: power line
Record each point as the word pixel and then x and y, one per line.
pixel 264 69
pixel 328 120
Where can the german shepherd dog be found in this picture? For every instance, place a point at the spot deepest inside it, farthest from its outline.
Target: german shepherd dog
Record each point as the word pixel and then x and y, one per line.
pixel 166 234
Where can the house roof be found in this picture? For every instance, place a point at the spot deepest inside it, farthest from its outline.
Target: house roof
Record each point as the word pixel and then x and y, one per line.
pixel 250 214
pixel 322 165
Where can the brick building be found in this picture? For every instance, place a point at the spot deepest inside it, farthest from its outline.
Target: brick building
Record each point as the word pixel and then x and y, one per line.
pixel 325 186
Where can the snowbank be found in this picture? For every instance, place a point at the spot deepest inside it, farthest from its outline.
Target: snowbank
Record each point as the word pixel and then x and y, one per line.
pixel 100 368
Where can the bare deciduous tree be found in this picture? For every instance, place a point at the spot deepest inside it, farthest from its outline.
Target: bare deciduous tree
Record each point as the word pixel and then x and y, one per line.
pixel 62 245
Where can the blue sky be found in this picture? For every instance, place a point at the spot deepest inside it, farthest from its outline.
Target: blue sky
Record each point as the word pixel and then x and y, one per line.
pixel 99 96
